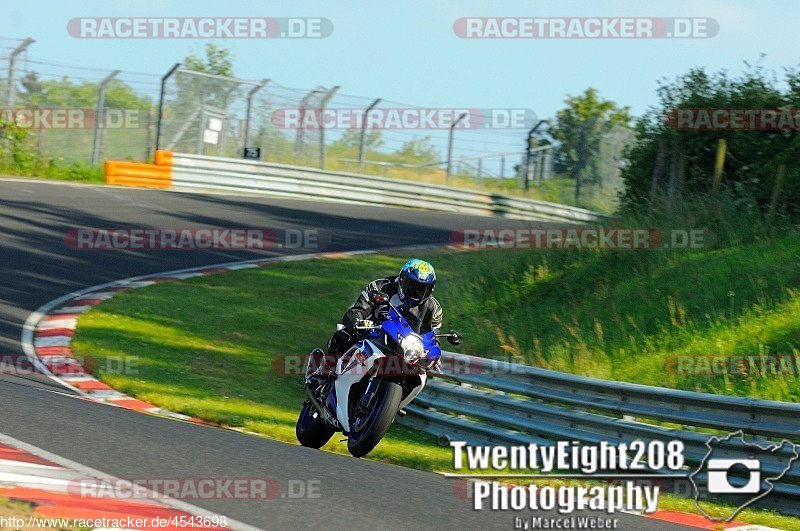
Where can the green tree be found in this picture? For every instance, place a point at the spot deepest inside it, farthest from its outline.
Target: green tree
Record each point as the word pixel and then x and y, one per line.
pixel 578 131
pixel 350 141
pixel 64 93
pixel 217 60
pixel 418 151
pixel 31 85
pixel 753 155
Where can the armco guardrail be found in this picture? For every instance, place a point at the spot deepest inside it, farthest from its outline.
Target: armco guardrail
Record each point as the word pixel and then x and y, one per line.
pixel 241 175
pixel 492 402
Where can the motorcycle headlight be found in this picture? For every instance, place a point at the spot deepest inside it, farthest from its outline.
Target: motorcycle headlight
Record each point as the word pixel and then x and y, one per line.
pixel 413 349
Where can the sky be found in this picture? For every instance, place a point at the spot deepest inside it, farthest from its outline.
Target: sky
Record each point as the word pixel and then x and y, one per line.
pixel 409 52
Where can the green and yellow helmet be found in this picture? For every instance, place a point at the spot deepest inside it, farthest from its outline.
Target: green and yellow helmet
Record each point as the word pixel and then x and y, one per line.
pixel 416 282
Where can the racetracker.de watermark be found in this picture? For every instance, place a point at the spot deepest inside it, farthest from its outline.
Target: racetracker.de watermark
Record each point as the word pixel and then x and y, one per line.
pixel 66 365
pixel 294 365
pixel 579 238
pixel 199 27
pixel 727 119
pixel 216 488
pixel 72 118
pixel 403 118
pixel 585 27
pixel 188 239
pixel 734 365
pixel 122 521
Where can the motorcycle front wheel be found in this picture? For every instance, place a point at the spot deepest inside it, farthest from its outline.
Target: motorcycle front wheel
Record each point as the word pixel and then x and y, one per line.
pixel 368 430
pixel 312 430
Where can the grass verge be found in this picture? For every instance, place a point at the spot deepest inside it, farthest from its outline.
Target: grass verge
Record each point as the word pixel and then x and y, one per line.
pixel 75 172
pixel 205 346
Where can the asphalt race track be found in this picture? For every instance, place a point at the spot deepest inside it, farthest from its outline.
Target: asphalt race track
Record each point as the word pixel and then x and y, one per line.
pixel 37 266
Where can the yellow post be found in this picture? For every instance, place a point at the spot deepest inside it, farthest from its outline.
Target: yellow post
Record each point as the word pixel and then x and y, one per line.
pixel 776 194
pixel 722 148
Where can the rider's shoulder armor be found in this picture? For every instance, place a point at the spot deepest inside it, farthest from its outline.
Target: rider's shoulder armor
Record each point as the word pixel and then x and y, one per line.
pixel 386 285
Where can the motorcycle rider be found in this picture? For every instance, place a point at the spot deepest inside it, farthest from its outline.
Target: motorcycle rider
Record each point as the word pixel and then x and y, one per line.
pixel 410 292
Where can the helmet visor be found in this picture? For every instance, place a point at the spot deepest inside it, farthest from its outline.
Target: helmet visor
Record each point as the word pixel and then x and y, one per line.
pixel 415 290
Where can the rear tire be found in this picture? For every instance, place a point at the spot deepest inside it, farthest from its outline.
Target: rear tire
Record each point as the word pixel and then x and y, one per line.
pixel 312 430
pixel 367 438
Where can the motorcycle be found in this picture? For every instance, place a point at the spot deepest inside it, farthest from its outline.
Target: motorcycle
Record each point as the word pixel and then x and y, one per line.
pixel 374 380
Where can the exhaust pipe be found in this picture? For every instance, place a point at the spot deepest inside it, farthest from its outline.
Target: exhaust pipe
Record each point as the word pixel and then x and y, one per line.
pixel 314 401
pixel 321 409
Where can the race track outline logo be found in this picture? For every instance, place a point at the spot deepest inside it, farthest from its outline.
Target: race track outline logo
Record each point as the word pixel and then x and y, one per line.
pixel 718 469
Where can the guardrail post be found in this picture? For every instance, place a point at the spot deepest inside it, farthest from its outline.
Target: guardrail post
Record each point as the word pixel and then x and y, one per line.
pixel 12 70
pixel 99 116
pixel 450 144
pixel 676 171
pixel 581 161
pixel 148 153
pixel 542 162
pixel 776 195
pixel 363 140
pixel 325 99
pixel 719 165
pixel 301 127
pixel 161 103
pixel 201 121
pixel 658 169
pixel 249 111
pixel 529 153
pixel 548 164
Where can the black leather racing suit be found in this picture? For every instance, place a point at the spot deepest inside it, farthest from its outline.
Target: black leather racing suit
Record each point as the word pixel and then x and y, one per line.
pixel 423 318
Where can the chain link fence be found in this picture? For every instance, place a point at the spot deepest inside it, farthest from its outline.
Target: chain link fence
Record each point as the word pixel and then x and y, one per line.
pixel 203 114
pixel 68 113
pixel 324 128
pixel 79 114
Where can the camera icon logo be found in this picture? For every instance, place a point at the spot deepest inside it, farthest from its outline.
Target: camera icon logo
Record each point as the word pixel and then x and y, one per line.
pixel 718 476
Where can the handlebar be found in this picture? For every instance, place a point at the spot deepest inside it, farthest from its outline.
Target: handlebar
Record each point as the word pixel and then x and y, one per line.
pixel 362 327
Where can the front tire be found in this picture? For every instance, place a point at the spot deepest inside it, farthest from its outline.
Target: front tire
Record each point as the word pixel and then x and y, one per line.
pixel 362 441
pixel 312 430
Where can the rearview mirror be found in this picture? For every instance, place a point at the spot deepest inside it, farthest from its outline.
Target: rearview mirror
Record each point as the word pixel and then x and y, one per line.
pixel 454 338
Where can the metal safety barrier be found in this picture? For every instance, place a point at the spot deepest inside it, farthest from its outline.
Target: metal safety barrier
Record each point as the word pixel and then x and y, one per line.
pixel 240 175
pixel 497 403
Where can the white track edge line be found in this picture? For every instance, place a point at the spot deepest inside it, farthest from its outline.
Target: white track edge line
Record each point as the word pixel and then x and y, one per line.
pixel 40 313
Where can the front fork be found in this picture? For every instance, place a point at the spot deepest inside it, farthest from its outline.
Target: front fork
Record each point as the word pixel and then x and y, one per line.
pixel 367 399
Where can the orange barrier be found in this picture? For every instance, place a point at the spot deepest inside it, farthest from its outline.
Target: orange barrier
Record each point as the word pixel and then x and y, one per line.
pixel 163 157
pixel 157 175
